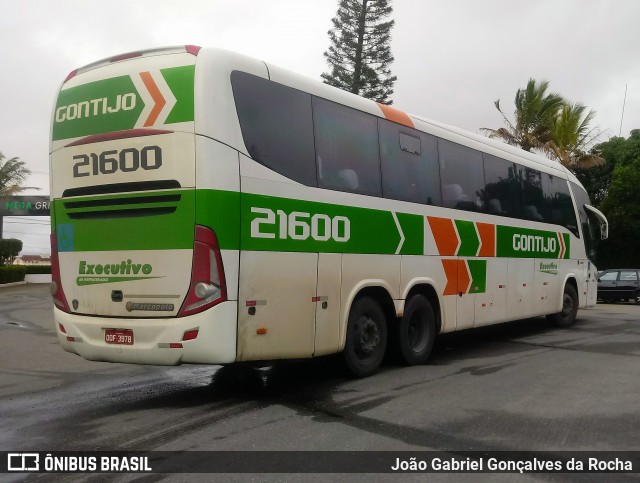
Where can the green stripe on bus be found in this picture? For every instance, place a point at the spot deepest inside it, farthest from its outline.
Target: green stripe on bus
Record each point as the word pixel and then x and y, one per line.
pixel 469 239
pixel 219 210
pixel 181 82
pixel 281 224
pixel 249 221
pixel 413 230
pixel 515 242
pixel 567 245
pixel 126 226
pixel 478 272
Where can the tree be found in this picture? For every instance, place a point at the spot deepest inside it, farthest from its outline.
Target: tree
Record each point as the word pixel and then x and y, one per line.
pixel 620 201
pixel 9 250
pixel 549 124
pixel 570 136
pixel 535 109
pixel 360 55
pixel 13 173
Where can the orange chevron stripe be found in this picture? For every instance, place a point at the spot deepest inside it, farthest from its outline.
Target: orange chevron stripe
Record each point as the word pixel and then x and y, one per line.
pixel 451 272
pixel 487 234
pixel 395 115
pixel 445 235
pixel 458 276
pixel 157 97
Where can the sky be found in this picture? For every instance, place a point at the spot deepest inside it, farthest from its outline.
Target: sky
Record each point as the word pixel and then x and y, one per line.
pixel 453 58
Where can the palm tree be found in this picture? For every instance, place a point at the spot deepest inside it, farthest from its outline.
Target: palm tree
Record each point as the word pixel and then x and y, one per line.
pixel 535 109
pixel 570 136
pixel 13 173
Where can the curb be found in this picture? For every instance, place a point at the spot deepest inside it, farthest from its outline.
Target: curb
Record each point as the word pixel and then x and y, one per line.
pixel 12 284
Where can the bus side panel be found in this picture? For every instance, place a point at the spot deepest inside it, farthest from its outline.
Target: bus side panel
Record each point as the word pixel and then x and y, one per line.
pixel 218 202
pixel 328 330
pixel 491 306
pixel 520 288
pixel 276 309
pixel 592 284
pixel 546 285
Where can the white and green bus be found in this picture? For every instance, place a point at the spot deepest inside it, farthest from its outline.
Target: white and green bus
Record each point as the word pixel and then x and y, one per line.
pixel 211 208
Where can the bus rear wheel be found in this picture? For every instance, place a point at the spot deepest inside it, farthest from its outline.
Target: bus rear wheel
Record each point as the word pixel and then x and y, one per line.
pixel 366 341
pixel 416 331
pixel 567 316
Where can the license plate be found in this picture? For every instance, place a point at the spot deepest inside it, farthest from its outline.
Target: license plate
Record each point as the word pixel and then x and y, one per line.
pixel 118 336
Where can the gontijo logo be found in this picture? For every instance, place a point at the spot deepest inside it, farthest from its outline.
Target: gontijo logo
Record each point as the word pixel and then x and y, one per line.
pixel 532 243
pixel 96 107
pixel 141 99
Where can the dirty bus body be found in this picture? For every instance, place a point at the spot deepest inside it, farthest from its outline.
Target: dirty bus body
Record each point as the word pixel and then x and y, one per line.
pixel 210 208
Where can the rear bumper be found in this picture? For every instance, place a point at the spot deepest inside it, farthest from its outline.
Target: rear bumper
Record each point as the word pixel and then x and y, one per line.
pixel 155 340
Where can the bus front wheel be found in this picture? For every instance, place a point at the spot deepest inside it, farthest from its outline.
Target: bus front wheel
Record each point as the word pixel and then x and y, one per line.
pixel 366 337
pixel 567 316
pixel 416 331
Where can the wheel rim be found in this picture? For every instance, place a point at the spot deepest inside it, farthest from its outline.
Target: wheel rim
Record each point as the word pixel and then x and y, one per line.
pixel 367 337
pixel 416 333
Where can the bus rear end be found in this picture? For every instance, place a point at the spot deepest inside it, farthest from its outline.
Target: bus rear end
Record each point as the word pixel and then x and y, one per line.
pixel 135 278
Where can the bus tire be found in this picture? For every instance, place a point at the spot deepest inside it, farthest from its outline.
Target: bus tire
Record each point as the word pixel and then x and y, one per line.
pixel 416 331
pixel 366 341
pixel 567 316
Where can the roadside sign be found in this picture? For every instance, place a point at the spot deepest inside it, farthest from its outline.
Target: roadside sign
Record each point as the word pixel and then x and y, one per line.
pixel 24 206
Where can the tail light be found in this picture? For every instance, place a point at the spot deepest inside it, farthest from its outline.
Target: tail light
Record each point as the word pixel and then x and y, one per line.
pixel 208 286
pixel 59 298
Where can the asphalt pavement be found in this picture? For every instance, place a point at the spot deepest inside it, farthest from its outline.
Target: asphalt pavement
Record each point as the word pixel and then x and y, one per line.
pixel 521 386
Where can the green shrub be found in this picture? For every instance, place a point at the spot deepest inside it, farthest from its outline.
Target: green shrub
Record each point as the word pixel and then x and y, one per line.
pixel 12 273
pixel 38 269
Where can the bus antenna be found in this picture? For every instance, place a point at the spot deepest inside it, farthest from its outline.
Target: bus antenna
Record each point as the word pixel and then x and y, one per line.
pixel 623 104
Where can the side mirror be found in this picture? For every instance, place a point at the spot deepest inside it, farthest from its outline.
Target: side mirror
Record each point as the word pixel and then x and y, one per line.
pixel 604 224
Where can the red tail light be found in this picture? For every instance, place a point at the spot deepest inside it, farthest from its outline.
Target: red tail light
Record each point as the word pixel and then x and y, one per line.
pixel 59 298
pixel 208 286
pixel 192 49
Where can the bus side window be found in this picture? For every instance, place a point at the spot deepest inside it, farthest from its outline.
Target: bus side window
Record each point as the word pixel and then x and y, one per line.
pixel 561 204
pixel 409 164
pixel 276 125
pixel 346 148
pixel 462 176
pixel 498 189
pixel 534 202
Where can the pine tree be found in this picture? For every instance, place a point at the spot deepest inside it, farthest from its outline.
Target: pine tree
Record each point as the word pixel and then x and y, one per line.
pixel 360 55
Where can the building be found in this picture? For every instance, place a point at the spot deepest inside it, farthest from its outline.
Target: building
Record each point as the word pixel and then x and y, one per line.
pixel 31 260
